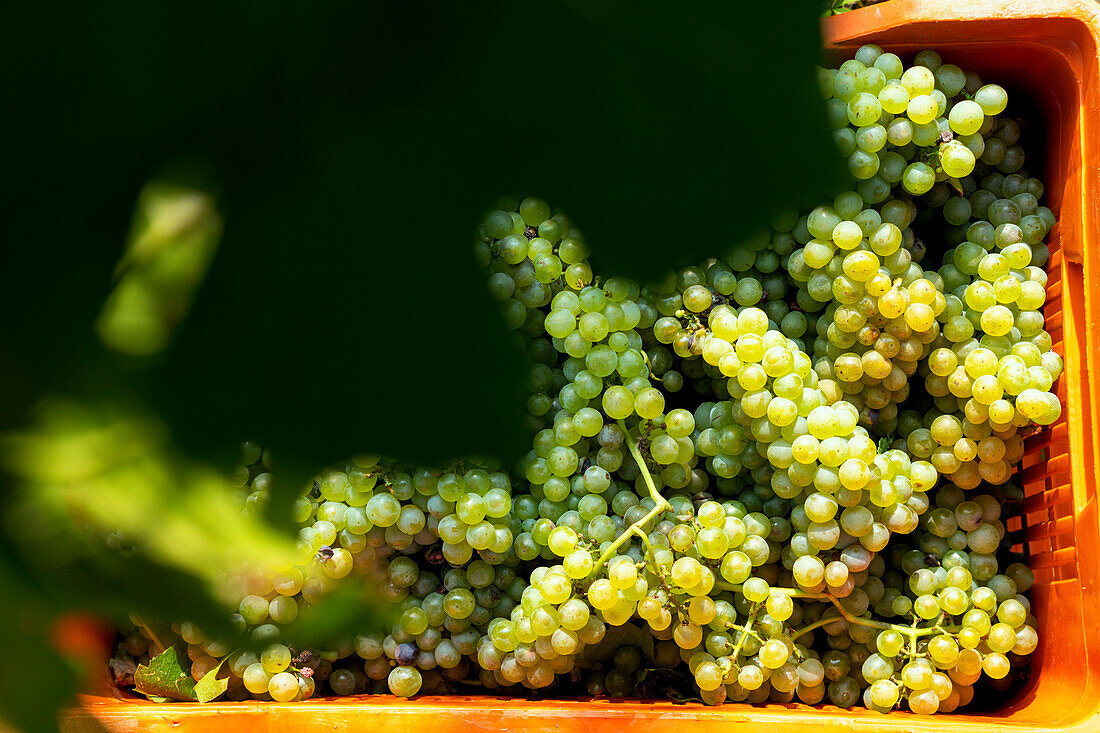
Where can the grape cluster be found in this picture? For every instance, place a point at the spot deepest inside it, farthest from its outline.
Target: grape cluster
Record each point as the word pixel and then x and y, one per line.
pixel 989 366
pixel 735 476
pixel 253 476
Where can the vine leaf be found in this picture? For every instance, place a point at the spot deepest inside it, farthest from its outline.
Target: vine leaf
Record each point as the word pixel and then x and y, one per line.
pixel 210 687
pixel 165 678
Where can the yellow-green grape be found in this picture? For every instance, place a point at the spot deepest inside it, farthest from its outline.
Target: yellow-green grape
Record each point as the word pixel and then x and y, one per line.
pixel 956 159
pixel 966 117
pixel 922 109
pixel 894 98
pixel 283 687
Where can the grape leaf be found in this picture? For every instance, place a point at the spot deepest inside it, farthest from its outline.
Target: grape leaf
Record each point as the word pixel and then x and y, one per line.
pixel 164 676
pixel 210 687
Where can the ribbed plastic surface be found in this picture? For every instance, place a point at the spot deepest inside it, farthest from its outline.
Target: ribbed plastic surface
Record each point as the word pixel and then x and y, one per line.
pixel 1048 51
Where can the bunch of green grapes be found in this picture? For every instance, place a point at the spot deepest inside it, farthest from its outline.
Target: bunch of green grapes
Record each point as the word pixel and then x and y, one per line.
pixel 922 132
pixel 737 468
pixel 253 475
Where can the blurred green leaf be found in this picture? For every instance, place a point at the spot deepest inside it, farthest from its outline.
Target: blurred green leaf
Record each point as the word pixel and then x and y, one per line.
pixel 108 518
pixel 165 677
pixel 97 475
pixel 172 243
pixel 354 144
pixel 350 608
pixel 40 680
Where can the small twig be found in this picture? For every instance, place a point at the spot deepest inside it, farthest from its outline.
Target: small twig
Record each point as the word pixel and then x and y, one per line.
pixel 745 631
pixel 623 538
pixel 662 502
pixel 151 634
pixel 815 625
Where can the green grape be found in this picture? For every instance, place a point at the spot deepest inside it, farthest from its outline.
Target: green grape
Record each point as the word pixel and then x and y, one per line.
pixel 889 643
pixel 918 178
pixel 966 117
pixel 254 609
pixel 925 702
pixel 884 693
pixel 774 654
pixel 283 687
pixel 404 681
pixel 275 658
pixel 996 665
pixel 957 160
pixel 918 80
pixel 922 109
pixel 893 98
pixel 992 99
pixel 877 667
pixel 256 679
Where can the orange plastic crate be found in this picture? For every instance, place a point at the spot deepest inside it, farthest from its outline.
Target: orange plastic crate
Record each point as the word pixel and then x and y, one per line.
pixel 1045 51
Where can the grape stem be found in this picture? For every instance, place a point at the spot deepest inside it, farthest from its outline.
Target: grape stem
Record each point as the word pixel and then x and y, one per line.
pixel 660 505
pixel 912 632
pixel 745 631
pixel 644 538
pixel 662 578
pixel 613 548
pixel 150 633
pixel 660 501
pixel 815 625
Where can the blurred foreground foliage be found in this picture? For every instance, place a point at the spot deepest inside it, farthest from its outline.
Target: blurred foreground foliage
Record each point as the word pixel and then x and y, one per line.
pixel 299 271
pixel 173 240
